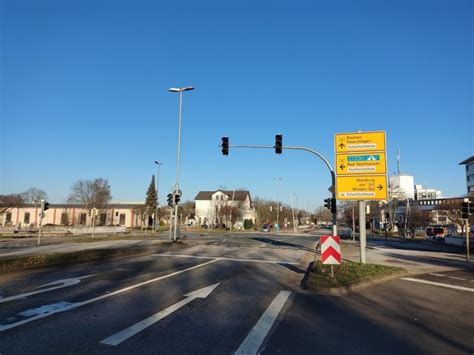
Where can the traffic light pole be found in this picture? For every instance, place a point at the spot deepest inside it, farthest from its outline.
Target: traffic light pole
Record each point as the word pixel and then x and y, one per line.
pixel 40 229
pixel 333 175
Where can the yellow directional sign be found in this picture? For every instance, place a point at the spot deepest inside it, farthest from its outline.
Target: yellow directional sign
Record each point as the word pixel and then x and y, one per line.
pixel 368 187
pixel 361 163
pixel 359 142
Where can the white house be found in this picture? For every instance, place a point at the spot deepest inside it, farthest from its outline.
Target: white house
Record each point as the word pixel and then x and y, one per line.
pixel 217 208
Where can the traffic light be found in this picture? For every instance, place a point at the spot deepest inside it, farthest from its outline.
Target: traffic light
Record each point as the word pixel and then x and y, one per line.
pixel 170 199
pixel 327 203
pixel 90 213
pixel 278 143
pixel 330 204
pixel 176 198
pixel 466 209
pixel 225 145
pixel 46 206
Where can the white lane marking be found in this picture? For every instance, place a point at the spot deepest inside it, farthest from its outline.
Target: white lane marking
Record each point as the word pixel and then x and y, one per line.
pixel 456 278
pixel 257 335
pixel 60 284
pixel 4 327
pixel 439 284
pixel 127 333
pixel 229 259
pixel 438 275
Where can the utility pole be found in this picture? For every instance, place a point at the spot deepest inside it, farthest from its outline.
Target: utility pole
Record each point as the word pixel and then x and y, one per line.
pixel 278 204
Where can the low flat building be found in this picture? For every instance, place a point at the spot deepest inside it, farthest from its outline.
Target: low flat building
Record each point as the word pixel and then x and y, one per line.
pixel 115 214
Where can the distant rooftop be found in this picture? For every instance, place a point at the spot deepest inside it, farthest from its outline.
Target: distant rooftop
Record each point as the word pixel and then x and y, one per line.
pixel 467 161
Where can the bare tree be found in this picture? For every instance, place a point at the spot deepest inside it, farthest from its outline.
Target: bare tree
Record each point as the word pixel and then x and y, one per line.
pixel 34 195
pixel 418 218
pixel 322 214
pixel 91 193
pixel 10 201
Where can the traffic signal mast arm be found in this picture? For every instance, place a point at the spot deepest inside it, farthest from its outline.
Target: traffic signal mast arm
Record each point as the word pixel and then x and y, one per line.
pixel 328 165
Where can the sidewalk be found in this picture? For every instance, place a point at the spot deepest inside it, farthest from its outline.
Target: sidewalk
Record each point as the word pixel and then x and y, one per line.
pixel 412 259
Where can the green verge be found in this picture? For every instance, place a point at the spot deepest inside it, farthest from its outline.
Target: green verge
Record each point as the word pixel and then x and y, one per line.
pixel 33 261
pixel 348 273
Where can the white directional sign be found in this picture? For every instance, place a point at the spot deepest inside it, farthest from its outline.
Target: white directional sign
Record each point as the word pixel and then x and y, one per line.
pixel 53 286
pixel 127 333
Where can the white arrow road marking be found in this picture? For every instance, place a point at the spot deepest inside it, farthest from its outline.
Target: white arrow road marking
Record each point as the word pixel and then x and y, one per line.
pixel 257 335
pixel 4 327
pixel 60 284
pixel 439 284
pixel 229 259
pixel 127 333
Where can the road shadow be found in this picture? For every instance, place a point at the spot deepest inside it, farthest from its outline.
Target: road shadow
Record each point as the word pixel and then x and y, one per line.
pixel 284 244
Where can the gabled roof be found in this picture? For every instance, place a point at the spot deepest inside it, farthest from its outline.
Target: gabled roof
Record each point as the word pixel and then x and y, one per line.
pixel 237 195
pixel 467 161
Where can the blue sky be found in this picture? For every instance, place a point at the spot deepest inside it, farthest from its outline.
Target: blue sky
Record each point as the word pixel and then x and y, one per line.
pixel 84 84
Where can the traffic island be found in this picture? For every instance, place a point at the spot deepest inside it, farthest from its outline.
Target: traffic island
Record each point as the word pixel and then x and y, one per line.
pixel 348 277
pixel 54 259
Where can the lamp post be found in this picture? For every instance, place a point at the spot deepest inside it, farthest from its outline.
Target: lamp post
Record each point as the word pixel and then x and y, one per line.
pixel 176 187
pixel 157 190
pixel 278 203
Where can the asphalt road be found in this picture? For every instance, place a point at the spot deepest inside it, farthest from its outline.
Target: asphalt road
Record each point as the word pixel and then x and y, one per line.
pixel 252 304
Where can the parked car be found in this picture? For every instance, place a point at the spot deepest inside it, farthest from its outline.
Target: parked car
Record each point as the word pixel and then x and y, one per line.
pixel 266 228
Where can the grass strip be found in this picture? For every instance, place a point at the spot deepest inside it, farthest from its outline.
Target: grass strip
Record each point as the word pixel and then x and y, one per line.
pixel 348 273
pixel 33 261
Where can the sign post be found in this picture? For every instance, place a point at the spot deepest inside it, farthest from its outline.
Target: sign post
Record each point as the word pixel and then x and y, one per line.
pixel 361 168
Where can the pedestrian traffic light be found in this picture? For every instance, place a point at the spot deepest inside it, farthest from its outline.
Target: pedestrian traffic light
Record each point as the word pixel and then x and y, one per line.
pixel 46 206
pixel 278 143
pixel 170 199
pixel 225 145
pixel 465 209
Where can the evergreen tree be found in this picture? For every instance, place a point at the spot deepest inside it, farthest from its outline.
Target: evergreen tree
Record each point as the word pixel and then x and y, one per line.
pixel 151 198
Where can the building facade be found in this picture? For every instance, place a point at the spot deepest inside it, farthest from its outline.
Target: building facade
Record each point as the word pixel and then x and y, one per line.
pixel 469 163
pixel 123 214
pixel 422 193
pixel 402 186
pixel 223 208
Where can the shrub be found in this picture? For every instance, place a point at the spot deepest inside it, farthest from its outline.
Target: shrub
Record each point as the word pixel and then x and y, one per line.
pixel 248 224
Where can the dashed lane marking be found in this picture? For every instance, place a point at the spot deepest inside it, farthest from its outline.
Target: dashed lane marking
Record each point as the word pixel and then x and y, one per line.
pixel 439 284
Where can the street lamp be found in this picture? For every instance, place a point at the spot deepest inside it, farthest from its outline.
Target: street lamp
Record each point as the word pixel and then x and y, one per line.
pixel 176 187
pixel 157 194
pixel 278 203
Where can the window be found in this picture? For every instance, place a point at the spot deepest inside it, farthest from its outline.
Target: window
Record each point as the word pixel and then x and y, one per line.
pixel 82 219
pixel 64 219
pixel 102 218
pixel 9 217
pixel 122 219
pixel 26 219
